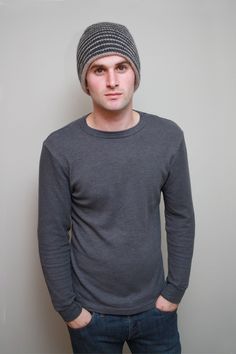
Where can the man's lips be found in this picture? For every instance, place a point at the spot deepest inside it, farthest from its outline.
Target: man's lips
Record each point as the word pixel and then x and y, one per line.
pixel 113 94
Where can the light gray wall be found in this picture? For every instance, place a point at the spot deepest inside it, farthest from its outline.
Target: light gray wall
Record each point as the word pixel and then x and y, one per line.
pixel 188 58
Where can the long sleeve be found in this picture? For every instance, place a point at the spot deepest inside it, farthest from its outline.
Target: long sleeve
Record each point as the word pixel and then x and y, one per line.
pixel 104 189
pixel 180 225
pixel 54 221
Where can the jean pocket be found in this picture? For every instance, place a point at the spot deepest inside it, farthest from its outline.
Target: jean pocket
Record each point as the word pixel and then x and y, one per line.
pixel 93 314
pixel 165 312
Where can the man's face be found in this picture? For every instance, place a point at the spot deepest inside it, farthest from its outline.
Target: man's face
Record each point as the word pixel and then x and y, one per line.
pixel 110 83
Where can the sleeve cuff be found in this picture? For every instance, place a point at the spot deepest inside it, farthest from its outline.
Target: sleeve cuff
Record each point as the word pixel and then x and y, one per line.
pixel 172 294
pixel 70 313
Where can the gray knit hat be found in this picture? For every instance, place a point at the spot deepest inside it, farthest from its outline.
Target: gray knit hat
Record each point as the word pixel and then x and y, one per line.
pixel 102 39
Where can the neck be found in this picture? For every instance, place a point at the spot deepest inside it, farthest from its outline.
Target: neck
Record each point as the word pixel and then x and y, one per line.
pixel 112 120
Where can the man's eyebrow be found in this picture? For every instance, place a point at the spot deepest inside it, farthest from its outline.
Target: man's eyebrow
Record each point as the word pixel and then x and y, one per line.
pixel 95 66
pixel 122 62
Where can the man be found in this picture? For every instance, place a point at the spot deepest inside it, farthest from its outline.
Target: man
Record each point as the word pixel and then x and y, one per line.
pixel 102 177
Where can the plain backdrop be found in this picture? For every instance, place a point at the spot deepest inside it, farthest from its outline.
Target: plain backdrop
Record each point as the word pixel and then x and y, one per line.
pixel 188 56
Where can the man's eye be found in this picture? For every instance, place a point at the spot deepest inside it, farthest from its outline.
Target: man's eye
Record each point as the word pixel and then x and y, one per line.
pixel 99 71
pixel 122 67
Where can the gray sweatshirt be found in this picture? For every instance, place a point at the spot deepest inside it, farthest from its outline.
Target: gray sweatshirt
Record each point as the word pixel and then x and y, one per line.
pixel 99 224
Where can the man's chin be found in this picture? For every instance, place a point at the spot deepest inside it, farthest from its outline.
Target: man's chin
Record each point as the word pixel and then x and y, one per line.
pixel 114 107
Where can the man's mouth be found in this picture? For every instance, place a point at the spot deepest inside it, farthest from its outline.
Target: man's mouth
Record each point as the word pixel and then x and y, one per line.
pixel 113 94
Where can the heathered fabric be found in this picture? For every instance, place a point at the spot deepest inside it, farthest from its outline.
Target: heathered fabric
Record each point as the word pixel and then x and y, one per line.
pixel 106 187
pixel 102 39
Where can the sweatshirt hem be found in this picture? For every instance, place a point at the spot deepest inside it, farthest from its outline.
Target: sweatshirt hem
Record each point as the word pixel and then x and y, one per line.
pixel 119 311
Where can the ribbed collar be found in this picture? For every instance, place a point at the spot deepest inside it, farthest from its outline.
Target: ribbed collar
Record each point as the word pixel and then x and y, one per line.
pixel 112 134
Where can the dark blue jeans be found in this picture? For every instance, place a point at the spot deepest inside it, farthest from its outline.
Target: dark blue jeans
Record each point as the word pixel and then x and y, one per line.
pixel 149 332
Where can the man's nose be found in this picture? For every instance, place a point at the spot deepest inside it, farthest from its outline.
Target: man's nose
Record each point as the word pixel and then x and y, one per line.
pixel 112 79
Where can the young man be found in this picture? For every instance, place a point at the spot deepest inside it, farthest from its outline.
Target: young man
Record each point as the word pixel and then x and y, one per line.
pixel 102 177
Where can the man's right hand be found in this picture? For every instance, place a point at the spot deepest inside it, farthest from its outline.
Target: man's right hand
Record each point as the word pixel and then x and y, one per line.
pixel 82 320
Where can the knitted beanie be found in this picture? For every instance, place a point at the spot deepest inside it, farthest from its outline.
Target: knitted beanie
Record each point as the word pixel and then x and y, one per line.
pixel 102 39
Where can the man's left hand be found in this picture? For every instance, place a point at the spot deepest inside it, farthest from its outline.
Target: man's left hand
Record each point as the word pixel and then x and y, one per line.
pixel 165 305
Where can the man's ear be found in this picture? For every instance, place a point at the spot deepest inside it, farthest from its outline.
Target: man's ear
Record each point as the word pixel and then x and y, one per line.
pixel 86 84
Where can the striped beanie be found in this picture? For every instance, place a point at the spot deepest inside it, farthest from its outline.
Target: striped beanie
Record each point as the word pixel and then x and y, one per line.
pixel 102 39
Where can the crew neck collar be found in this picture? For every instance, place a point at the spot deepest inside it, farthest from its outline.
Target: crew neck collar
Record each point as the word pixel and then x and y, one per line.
pixel 112 134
